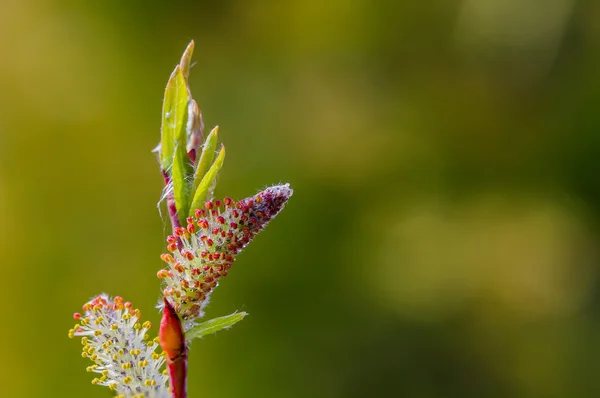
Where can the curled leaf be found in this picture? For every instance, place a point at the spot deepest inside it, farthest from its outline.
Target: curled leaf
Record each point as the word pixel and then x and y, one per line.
pixel 195 127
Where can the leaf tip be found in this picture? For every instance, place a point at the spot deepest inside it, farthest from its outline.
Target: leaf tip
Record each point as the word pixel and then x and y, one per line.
pixel 186 59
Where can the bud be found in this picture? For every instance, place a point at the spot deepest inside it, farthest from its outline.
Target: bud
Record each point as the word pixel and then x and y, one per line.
pixel 172 341
pixel 171 336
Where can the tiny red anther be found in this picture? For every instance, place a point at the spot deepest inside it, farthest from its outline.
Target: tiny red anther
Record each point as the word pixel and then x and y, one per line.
pixel 188 255
pixel 195 308
pixel 203 224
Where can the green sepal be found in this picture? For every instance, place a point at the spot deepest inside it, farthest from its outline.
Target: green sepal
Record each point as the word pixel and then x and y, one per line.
pixel 214 325
pixel 207 182
pixel 174 117
pixel 207 156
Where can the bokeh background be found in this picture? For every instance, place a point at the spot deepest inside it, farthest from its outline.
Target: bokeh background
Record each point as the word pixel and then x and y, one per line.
pixel 443 237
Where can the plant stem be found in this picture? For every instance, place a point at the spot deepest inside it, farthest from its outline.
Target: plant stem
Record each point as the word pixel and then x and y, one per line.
pixel 172 341
pixel 178 376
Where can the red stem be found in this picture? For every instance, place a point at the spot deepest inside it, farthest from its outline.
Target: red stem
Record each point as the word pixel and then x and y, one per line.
pixel 171 333
pixel 178 376
pixel 171 203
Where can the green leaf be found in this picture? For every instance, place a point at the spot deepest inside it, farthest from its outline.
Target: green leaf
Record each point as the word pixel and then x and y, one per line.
pixel 214 325
pixel 180 176
pixel 186 59
pixel 174 120
pixel 207 182
pixel 207 156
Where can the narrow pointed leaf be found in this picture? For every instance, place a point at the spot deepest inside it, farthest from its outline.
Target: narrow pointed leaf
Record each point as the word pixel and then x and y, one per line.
pixel 214 325
pixel 207 182
pixel 182 187
pixel 186 60
pixel 174 120
pixel 207 156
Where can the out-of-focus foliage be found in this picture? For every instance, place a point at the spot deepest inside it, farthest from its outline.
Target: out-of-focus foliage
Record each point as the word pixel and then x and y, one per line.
pixel 443 236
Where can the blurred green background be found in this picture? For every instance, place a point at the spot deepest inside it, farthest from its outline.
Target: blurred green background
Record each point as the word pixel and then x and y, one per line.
pixel 443 237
